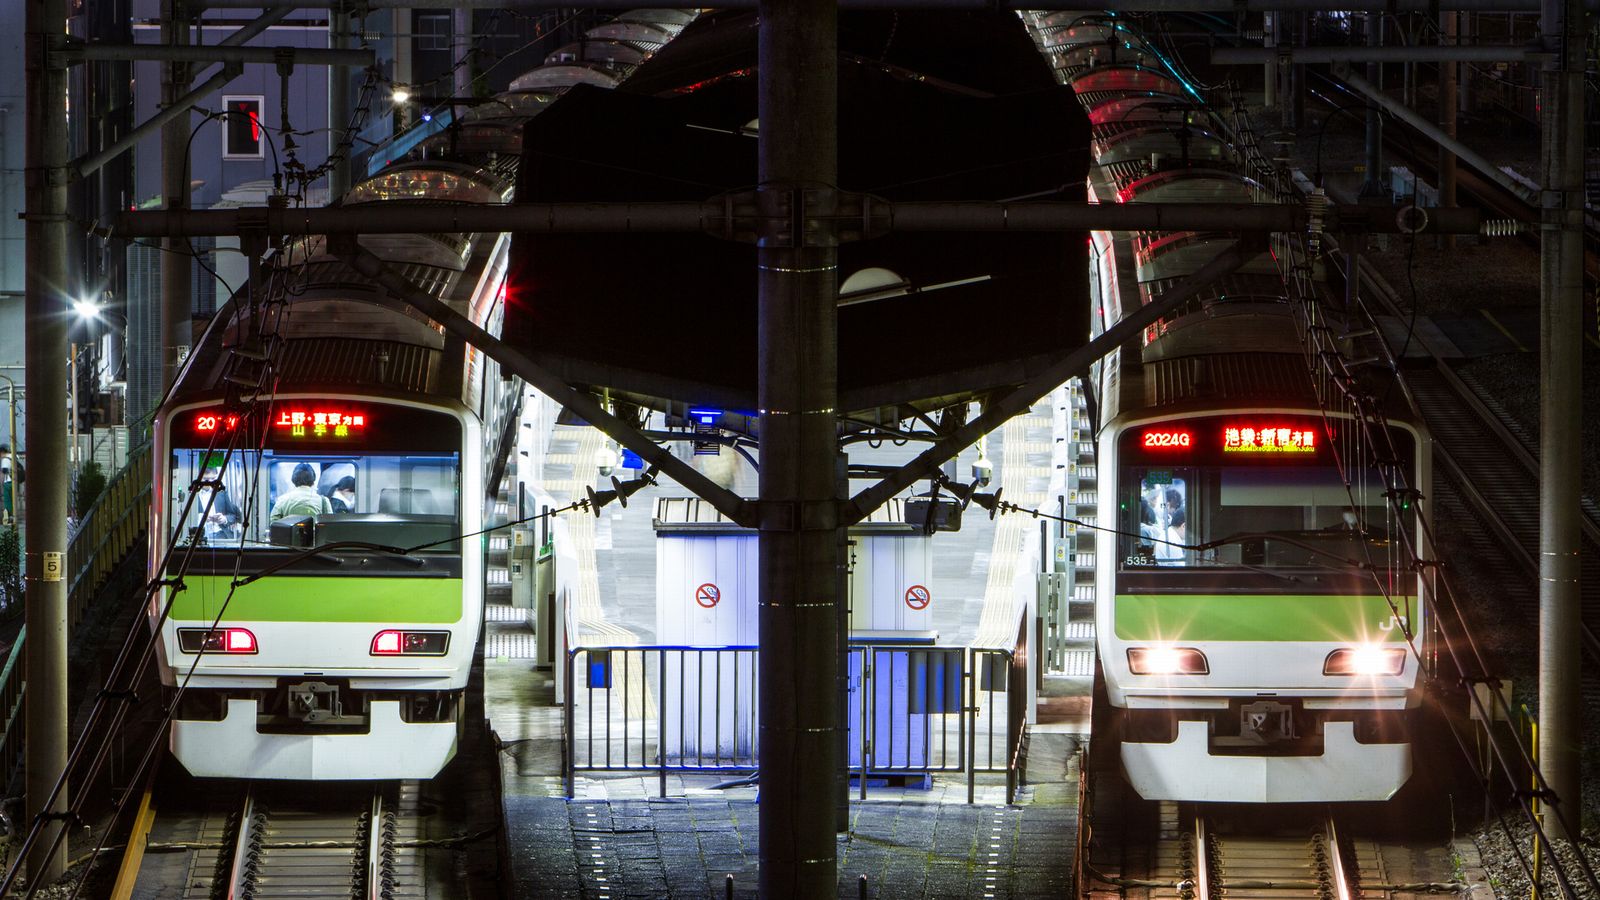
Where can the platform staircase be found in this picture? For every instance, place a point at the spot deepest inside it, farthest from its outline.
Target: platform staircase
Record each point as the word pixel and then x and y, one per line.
pixel 1067 589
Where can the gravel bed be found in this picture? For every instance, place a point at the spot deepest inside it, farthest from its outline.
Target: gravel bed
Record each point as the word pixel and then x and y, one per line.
pixel 1507 863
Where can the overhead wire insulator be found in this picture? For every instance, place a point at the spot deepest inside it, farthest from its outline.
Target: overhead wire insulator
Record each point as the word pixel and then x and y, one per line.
pixel 1501 228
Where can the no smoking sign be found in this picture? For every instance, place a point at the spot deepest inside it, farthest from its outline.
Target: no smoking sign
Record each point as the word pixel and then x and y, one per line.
pixel 918 597
pixel 708 595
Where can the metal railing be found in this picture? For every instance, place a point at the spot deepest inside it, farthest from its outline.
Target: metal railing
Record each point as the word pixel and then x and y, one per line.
pixel 11 689
pixel 111 528
pixel 913 710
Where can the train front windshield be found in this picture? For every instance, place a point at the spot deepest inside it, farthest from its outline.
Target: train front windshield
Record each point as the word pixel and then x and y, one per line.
pixel 1253 492
pixel 322 473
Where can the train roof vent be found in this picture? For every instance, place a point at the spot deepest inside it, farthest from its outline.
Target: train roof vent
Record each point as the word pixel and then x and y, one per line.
pixel 1227 377
pixel 340 361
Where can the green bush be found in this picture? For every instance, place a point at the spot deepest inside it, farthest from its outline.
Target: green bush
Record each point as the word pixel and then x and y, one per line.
pixel 91 482
pixel 10 569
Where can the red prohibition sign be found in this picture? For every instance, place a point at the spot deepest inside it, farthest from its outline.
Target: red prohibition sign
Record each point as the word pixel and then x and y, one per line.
pixel 918 597
pixel 707 595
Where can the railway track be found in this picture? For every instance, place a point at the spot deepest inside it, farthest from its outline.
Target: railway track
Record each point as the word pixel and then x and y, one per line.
pixel 1251 852
pixel 1307 866
pixel 1493 468
pixel 345 841
pixel 304 851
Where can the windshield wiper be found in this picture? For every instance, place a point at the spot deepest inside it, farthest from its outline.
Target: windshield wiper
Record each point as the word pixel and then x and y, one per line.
pixel 1244 537
pixel 317 553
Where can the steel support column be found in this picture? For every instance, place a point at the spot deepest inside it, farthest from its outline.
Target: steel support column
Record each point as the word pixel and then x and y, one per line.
pixel 797 86
pixel 176 266
pixel 460 55
pixel 1448 72
pixel 339 105
pixel 1560 416
pixel 46 320
pixel 1372 187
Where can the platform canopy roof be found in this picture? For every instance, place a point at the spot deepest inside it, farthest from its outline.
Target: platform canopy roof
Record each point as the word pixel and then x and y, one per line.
pixel 933 106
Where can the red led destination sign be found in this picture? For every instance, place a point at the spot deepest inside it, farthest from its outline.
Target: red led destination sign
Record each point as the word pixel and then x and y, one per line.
pixel 292 422
pixel 330 422
pixel 1167 438
pixel 1268 437
pixel 1262 437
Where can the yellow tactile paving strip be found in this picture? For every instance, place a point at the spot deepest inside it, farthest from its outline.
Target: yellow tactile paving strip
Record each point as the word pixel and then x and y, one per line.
pixel 997 626
pixel 594 629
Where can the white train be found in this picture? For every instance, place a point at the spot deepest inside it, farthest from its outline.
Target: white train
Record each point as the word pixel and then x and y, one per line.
pixel 372 427
pixel 1253 597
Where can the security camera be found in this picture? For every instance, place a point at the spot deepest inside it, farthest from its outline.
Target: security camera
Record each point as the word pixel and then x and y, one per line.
pixel 982 471
pixel 605 459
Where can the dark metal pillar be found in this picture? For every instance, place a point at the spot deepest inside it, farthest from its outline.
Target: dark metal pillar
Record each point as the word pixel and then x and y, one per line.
pixel 1561 397
pixel 1448 73
pixel 339 104
pixel 176 265
pixel 1372 187
pixel 800 496
pixel 461 55
pixel 46 317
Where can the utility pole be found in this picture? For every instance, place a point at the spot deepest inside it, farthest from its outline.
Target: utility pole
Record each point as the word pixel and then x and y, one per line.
pixel 46 316
pixel 461 58
pixel 339 103
pixel 177 329
pixel 1372 187
pixel 800 495
pixel 1448 74
pixel 1560 422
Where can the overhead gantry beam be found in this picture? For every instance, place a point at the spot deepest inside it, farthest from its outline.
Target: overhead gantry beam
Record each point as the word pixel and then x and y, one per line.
pixel 1421 6
pixel 927 463
pixel 299 56
pixel 1228 56
pixel 403 293
pixel 1409 116
pixel 88 165
pixel 737 215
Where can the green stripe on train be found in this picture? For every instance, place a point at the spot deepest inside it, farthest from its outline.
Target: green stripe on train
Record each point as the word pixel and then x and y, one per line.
pixel 311 599
pixel 1203 617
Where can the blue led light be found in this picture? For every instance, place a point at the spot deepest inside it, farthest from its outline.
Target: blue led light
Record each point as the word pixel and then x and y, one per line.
pixel 705 416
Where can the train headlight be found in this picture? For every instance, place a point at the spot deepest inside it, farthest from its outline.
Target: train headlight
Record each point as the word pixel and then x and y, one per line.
pixel 410 643
pixel 219 640
pixel 1365 660
pixel 1167 661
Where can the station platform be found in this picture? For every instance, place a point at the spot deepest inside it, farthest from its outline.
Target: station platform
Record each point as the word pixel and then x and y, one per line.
pixel 645 833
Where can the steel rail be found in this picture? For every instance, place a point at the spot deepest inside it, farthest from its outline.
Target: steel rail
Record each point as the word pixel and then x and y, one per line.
pixel 1267 858
pixel 1342 889
pixel 242 872
pixel 380 858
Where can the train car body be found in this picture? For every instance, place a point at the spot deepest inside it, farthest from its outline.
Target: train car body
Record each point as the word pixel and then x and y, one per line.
pixel 371 431
pixel 1257 622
